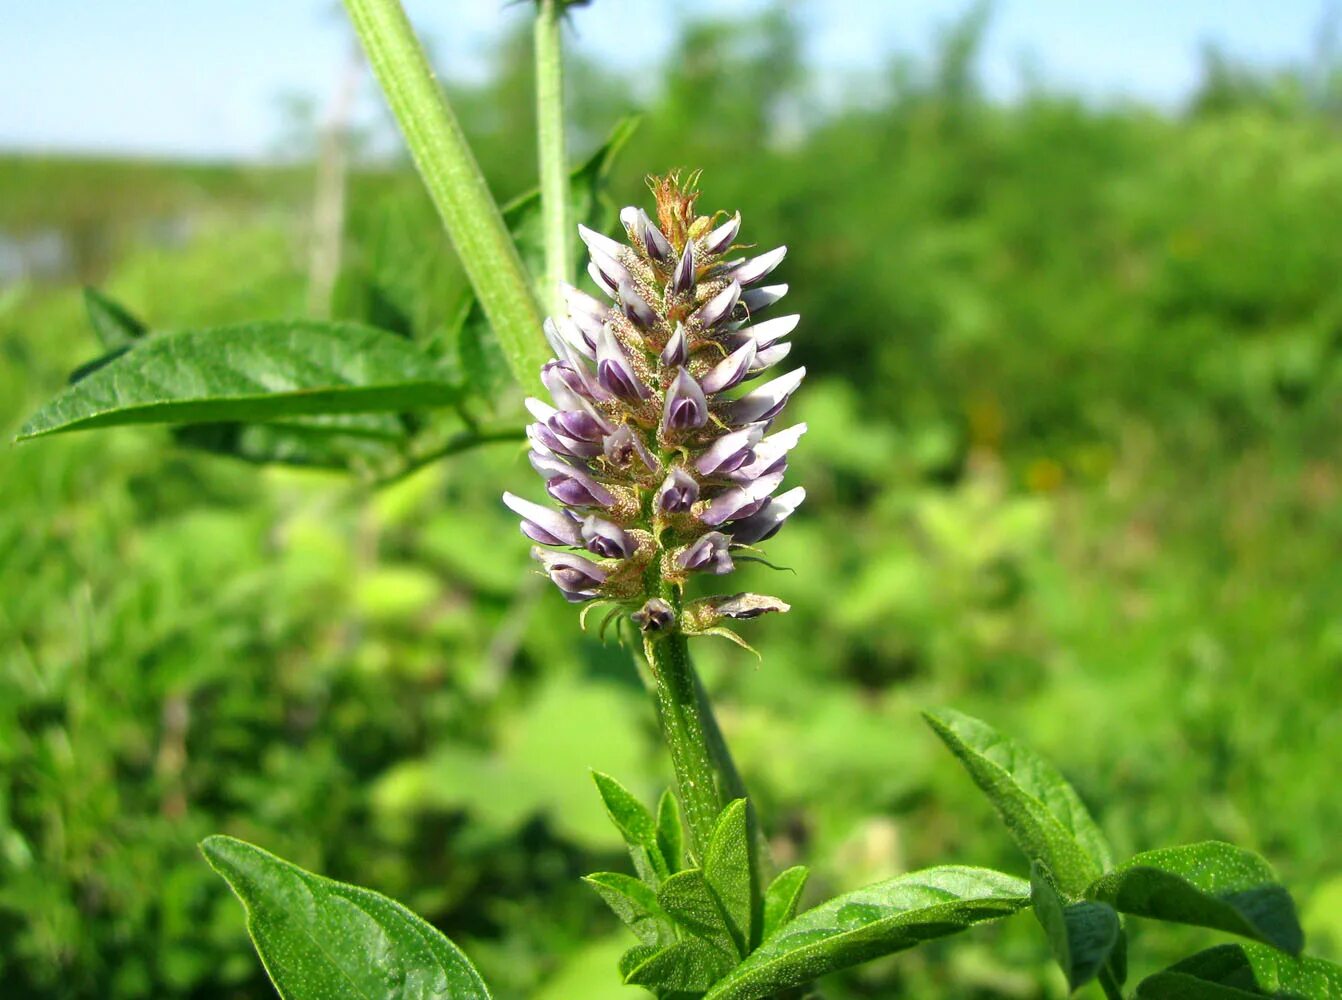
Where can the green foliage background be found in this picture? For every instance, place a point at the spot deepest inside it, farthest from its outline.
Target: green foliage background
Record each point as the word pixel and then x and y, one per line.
pixel 1072 467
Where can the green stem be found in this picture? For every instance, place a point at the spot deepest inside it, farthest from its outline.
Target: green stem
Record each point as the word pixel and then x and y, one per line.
pixel 552 154
pixel 686 734
pixel 454 182
pixel 1111 988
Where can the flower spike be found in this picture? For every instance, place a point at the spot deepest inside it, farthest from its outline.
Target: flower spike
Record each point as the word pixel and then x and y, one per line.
pixel 659 476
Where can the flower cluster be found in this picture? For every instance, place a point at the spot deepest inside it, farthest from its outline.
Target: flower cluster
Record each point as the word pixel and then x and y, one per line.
pixel 663 467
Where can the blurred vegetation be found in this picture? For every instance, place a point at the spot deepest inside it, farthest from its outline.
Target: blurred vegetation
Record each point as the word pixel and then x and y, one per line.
pixel 1072 467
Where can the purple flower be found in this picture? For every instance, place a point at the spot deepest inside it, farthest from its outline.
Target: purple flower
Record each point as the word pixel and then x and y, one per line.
pixel 730 451
pixel 685 408
pixel 635 308
pixel 757 267
pixel 764 525
pixel 613 370
pixel 683 279
pixel 755 299
pixel 655 615
pixel 709 554
pixel 623 446
pixel 543 524
pixel 765 402
pixel 656 472
pixel 607 539
pixel 721 238
pixel 678 492
pixel 719 307
pixel 731 369
pixel 579 579
pixel 677 349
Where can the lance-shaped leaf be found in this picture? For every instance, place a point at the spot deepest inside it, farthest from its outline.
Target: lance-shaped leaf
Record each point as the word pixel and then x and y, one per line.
pixel 732 870
pixel 636 826
pixel 113 324
pixel 670 832
pixel 695 907
pixel 879 920
pixel 1207 885
pixel 1039 807
pixel 320 938
pixel 251 372
pixel 690 966
pixel 1236 971
pixel 1082 935
pixel 635 904
pixel 782 897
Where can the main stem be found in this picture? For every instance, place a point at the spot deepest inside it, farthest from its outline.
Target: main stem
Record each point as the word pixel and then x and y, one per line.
pixel 553 159
pixel 686 731
pixel 455 183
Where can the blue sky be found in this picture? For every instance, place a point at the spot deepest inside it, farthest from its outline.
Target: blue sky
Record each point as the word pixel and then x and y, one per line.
pixel 201 78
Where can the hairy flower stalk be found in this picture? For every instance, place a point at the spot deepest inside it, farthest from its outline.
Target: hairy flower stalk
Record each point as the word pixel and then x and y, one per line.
pixel 659 443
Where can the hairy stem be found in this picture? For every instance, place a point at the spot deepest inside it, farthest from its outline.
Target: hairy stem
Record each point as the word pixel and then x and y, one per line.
pixel 686 732
pixel 552 154
pixel 455 183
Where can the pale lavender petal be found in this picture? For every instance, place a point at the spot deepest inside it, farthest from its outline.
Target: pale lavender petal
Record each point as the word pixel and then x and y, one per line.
pixel 683 279
pixel 721 238
pixel 658 246
pixel 685 408
pixel 677 349
pixel 771 330
pixel 769 357
pixel 755 299
pixel 727 448
pixel 548 526
pixel 709 554
pixel 607 539
pixel 765 402
pixel 635 307
pixel 579 579
pixel 770 451
pixel 730 370
pixel 599 243
pixel 623 446
pixel 720 306
pixel 613 370
pixel 678 492
pixel 765 524
pixel 569 484
pixel 757 267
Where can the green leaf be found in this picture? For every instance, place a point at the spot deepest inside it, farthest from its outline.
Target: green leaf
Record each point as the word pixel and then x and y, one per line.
pixel 252 372
pixel 732 872
pixel 112 323
pixel 635 904
pixel 1082 935
pixel 878 920
pixel 477 353
pixel 1039 807
pixel 637 827
pixel 319 938
pixel 693 905
pixel 782 897
pixel 1233 971
pixel 689 966
pixel 670 832
pixel 1207 885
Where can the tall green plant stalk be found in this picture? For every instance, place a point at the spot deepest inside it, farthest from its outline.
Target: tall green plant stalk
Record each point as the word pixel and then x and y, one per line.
pixel 686 725
pixel 552 153
pixel 455 183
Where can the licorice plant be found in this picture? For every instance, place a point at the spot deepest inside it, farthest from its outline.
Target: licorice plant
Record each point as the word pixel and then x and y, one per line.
pixel 663 456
